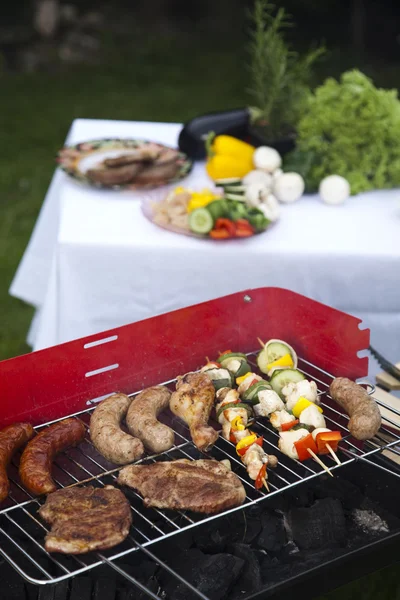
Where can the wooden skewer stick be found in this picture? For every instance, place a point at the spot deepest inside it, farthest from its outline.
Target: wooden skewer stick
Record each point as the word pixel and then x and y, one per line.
pixel 266 484
pixel 207 359
pixel 319 461
pixel 261 343
pixel 333 453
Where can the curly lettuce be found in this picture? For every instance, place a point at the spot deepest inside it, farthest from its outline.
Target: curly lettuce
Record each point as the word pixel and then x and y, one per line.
pixel 350 128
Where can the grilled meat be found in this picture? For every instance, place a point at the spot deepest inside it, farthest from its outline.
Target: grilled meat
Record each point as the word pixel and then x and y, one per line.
pixel 157 173
pixel 142 154
pixel 85 519
pixel 365 417
pixel 142 419
pixel 192 402
pixel 115 176
pixel 204 486
pixel 106 433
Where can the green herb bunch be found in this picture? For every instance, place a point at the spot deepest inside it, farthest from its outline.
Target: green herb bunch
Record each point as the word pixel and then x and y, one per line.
pixel 280 77
pixel 350 128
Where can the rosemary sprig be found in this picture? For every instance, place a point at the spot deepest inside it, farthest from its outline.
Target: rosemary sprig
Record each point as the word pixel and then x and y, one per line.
pixel 280 77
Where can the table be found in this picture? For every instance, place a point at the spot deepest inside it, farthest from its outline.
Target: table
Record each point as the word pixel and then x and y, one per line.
pixel 94 262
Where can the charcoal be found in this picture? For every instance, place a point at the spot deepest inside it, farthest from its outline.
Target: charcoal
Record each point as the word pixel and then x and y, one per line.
pixel 247 531
pixel 12 585
pixel 272 537
pixel 321 525
pixel 61 591
pixel 213 537
pixel 46 593
pixel 345 491
pixel 81 588
pixel 250 579
pixel 273 570
pixel 105 588
pixel 133 593
pixel 213 575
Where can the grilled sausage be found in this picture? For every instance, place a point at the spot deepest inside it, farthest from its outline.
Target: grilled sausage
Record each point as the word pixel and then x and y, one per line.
pixel 106 433
pixel 365 417
pixel 12 438
pixel 157 173
pixel 142 419
pixel 36 460
pixel 139 155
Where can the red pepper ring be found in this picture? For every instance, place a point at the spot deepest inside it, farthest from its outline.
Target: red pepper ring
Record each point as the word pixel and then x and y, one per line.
pixel 261 477
pixel 303 445
pixel 259 441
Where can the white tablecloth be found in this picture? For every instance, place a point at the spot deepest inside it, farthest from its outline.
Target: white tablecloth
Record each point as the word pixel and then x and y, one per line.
pixel 94 261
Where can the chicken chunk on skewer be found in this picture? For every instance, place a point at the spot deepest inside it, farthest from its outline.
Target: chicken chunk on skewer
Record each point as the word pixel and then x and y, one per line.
pixel 302 389
pixel 192 402
pixel 255 458
pixel 269 402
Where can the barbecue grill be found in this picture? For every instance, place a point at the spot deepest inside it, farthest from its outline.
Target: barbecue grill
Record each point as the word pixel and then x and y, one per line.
pixel 70 379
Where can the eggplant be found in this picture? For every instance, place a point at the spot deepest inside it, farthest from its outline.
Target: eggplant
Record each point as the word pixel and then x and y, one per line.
pixel 234 122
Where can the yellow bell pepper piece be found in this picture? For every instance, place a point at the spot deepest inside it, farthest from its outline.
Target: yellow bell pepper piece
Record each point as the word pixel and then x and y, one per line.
pixel 242 378
pixel 246 441
pixel 301 404
pixel 237 424
pixel 222 167
pixel 226 145
pixel 200 199
pixel 285 361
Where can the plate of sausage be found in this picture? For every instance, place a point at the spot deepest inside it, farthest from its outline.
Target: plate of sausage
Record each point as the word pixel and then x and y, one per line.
pixel 131 164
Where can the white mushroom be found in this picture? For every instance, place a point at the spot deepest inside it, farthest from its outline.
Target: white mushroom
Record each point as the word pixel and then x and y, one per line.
pixel 277 173
pixel 289 187
pixel 270 208
pixel 287 440
pixel 334 189
pixel 257 176
pixel 304 388
pixel 267 159
pixel 255 194
pixel 269 402
pixel 312 416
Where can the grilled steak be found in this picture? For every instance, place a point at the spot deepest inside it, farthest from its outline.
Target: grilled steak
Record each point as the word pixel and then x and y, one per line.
pixel 85 519
pixel 115 176
pixel 204 486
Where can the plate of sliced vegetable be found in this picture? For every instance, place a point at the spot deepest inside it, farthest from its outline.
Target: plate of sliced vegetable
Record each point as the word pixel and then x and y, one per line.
pixel 207 213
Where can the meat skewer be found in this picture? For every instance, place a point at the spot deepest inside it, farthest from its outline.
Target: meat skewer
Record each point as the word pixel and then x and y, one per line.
pixel 233 416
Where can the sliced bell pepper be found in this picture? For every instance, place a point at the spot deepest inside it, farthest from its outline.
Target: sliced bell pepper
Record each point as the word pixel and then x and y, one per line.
pixel 301 404
pixel 260 477
pixel 257 440
pixel 302 446
pixel 219 234
pixel 225 224
pixel 242 378
pixel 243 228
pixel 285 361
pixel 232 437
pixel 245 443
pixel 237 424
pixel 332 438
pixel 289 425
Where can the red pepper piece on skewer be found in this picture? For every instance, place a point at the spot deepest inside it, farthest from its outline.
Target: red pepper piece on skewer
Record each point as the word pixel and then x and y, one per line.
pixel 303 445
pixel 261 477
pixel 332 438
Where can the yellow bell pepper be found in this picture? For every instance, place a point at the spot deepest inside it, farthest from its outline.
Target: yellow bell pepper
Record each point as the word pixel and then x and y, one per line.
pixel 246 441
pixel 237 424
pixel 228 157
pixel 200 199
pixel 301 404
pixel 242 378
pixel 285 361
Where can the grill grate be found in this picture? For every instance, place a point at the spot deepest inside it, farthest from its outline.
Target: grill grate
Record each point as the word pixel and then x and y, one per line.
pixel 22 532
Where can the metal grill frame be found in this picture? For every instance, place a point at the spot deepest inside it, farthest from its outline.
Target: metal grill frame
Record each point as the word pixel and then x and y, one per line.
pixel 70 470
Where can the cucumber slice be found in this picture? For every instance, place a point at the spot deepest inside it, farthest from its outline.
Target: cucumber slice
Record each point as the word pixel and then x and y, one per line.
pixel 234 405
pixel 277 349
pixel 237 197
pixel 252 392
pixel 281 378
pixel 200 220
pixel 223 357
pixel 262 361
pixel 228 181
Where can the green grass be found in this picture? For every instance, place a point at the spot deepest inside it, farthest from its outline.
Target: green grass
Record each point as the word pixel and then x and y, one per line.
pixel 169 81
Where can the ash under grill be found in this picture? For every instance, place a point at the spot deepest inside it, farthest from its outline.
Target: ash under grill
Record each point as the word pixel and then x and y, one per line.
pixel 22 532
